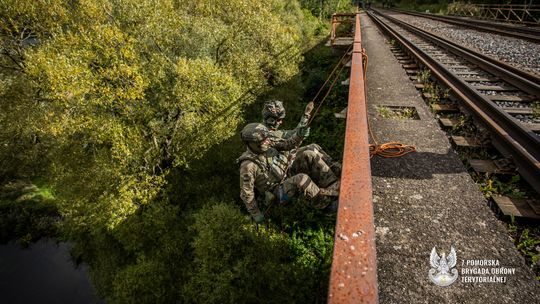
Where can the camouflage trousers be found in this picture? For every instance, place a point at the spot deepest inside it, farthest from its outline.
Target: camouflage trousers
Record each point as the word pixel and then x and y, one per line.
pixel 308 173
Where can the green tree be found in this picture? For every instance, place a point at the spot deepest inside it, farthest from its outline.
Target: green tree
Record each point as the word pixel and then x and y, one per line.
pixel 109 97
pixel 123 91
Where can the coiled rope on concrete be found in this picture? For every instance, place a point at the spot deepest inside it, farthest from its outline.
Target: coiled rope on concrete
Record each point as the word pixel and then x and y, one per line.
pixel 390 149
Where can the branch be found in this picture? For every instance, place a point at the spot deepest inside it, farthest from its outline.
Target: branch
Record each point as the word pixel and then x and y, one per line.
pixel 14 60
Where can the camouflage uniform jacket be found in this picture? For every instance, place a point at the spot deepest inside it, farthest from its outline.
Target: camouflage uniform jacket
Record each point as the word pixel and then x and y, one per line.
pixel 260 173
pixel 277 135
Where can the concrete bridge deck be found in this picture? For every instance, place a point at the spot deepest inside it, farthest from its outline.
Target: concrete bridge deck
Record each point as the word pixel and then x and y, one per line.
pixel 427 199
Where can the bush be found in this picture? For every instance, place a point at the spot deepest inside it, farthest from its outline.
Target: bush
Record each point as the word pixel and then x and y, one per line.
pixel 233 263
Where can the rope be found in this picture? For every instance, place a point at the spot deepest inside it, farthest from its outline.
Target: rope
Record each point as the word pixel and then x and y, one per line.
pixel 291 156
pixel 331 86
pixel 364 62
pixel 387 150
pixel 390 149
pixel 340 62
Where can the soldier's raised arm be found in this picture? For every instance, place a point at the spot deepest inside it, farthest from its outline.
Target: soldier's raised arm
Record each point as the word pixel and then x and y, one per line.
pixel 291 143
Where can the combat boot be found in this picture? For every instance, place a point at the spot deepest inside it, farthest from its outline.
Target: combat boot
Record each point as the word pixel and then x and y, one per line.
pixel 334 188
pixel 327 192
pixel 327 196
pixel 328 204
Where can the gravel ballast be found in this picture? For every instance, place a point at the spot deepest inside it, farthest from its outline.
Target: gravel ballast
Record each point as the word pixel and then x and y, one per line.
pixel 517 52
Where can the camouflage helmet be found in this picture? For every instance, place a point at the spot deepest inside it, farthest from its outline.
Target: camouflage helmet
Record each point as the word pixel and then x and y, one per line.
pixel 254 132
pixel 254 135
pixel 273 111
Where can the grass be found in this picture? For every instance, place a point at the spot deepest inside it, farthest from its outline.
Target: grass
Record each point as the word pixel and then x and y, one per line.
pixel 424 76
pixel 411 5
pixel 397 113
pixel 491 185
pixel 536 109
pixel 527 241
pixel 437 93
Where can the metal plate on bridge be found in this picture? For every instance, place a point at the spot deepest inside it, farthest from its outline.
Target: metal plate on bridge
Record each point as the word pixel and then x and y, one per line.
pixel 495 88
pixel 412 72
pixel 410 66
pixel 516 111
pixel 532 126
pixel 480 79
pixel 469 73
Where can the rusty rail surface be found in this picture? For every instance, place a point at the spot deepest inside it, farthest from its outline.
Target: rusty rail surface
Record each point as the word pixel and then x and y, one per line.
pixel 353 278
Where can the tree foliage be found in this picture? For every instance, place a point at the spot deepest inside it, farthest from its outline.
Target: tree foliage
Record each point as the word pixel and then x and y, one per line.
pixel 122 91
pixel 111 102
pixel 325 8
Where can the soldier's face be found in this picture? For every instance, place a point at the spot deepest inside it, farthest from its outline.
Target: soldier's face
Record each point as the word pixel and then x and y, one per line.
pixel 260 147
pixel 274 123
pixel 265 144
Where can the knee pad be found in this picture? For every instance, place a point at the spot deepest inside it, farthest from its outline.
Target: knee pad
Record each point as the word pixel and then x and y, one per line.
pixel 302 180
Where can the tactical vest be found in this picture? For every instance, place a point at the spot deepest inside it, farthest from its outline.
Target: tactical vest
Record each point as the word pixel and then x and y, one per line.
pixel 272 165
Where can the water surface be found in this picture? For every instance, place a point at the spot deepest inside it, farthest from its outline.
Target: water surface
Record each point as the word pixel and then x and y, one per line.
pixel 43 273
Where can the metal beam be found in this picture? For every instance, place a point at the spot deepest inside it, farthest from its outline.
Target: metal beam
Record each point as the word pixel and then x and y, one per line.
pixel 353 278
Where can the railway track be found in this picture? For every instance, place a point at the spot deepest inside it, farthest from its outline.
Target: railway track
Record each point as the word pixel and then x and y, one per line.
pixel 499 96
pixel 522 32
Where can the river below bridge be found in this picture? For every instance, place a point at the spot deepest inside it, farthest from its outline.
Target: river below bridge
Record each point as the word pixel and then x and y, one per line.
pixel 43 273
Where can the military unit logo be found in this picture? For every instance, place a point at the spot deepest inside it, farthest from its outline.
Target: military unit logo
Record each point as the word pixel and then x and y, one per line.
pixel 441 272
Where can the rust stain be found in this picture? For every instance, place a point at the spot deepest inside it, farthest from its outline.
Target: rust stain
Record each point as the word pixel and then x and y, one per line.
pixel 353 278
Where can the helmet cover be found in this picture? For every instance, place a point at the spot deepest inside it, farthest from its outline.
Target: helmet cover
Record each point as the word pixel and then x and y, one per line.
pixel 273 111
pixel 254 132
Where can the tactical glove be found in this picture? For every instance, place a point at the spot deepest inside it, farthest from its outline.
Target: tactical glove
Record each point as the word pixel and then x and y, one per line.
pixel 259 218
pixel 307 114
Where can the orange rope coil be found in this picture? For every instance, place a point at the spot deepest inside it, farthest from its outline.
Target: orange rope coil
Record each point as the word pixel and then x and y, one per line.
pixel 391 149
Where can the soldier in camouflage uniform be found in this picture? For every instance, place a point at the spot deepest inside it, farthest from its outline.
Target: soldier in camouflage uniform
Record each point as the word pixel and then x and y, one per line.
pixel 273 114
pixel 263 166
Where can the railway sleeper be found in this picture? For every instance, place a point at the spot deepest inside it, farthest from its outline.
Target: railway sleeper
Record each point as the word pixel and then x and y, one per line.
pixel 501 166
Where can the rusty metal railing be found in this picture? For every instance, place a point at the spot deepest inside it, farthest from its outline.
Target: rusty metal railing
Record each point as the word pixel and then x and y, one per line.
pixel 353 278
pixel 337 19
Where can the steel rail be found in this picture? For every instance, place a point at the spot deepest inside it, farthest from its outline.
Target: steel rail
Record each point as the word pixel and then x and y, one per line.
pixel 525 81
pixel 353 277
pixel 491 27
pixel 510 138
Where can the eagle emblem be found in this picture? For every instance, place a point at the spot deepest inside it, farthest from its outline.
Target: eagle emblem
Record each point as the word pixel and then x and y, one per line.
pixel 441 272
